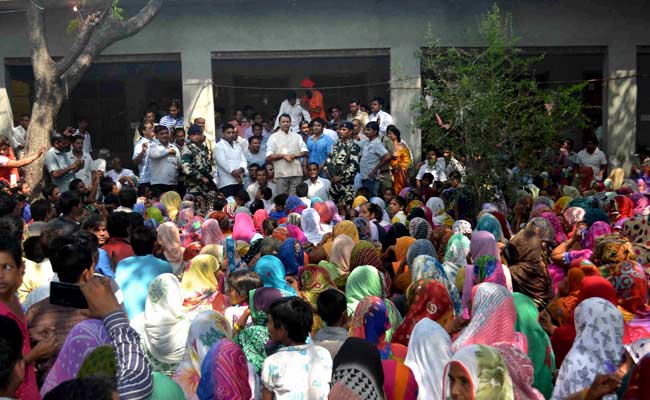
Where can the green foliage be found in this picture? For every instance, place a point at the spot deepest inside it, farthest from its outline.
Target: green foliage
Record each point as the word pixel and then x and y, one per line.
pixel 117 11
pixel 498 113
pixel 73 26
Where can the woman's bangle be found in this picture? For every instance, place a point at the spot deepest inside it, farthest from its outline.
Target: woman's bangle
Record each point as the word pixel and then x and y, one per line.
pixel 236 327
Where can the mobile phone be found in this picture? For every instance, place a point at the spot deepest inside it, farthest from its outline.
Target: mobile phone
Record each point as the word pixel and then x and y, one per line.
pixel 67 295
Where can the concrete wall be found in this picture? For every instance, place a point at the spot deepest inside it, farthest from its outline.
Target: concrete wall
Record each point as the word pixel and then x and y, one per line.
pixel 196 28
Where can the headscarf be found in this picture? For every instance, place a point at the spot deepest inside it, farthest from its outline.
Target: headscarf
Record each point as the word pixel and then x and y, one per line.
pixel 363 227
pixel 324 212
pixel 629 280
pixel 487 371
pixel 340 255
pixel 83 338
pixel 371 322
pixel 359 200
pixel 402 247
pixel 293 202
pixel 200 286
pixel 172 202
pixel 293 219
pixel 314 280
pixel 420 247
pixel 640 202
pixel 419 228
pixel 556 222
pixel 244 228
pixel 395 232
pixel 623 205
pixel 363 281
pixel 571 191
pixel 310 224
pixel 224 373
pixel 539 344
pixel 529 273
pixel 425 267
pixel 462 226
pixel 258 219
pixel 429 351
pixel 281 233
pixel 544 230
pixel 215 250
pixel 521 370
pixel 436 205
pixel 431 301
pixel 272 272
pixel 596 230
pixel 561 203
pixel 164 325
pixel 211 233
pixel 493 318
pixel 637 229
pixel 487 264
pixel 164 388
pixel 192 231
pixel 357 371
pixel 611 249
pixel 573 215
pixel 505 227
pixel 456 254
pixel 296 233
pixel 170 239
pixel 490 223
pixel 440 237
pixel 364 253
pixel 292 256
pixel 562 307
pixel 598 345
pixel 347 228
pixel 155 214
pixel 208 328
pixel 185 217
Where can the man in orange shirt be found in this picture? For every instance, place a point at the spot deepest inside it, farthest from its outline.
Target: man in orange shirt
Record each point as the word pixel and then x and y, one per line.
pixel 313 100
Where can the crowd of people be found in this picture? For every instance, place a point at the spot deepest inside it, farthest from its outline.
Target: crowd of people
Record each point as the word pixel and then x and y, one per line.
pixel 313 258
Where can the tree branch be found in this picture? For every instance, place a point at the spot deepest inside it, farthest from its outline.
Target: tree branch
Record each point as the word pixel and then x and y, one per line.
pixel 36 28
pixel 108 32
pixel 87 28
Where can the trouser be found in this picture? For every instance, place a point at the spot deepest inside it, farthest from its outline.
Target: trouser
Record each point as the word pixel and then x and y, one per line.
pixel 372 185
pixel 158 189
pixel 231 190
pixel 287 185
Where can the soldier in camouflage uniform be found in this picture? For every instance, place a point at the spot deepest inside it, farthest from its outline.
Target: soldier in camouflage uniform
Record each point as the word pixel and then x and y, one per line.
pixel 197 167
pixel 342 165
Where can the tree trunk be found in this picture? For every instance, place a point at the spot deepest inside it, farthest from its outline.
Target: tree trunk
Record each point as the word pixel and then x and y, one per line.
pixel 46 107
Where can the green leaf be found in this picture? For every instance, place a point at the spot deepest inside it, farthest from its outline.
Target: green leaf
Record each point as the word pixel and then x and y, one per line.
pixel 117 11
pixel 73 26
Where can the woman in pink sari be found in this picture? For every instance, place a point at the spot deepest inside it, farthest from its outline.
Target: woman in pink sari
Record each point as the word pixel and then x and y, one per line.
pixel 211 233
pixel 244 228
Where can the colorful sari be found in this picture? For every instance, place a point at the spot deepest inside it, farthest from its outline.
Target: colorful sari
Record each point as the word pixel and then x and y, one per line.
pixel 211 233
pixel 357 372
pixel 529 273
pixel 169 238
pixel 339 259
pixel 399 165
pixel 428 267
pixel 430 301
pixel 272 272
pixel 200 286
pixel 172 203
pixel 456 254
pixel 207 329
pixel 561 308
pixel 225 374
pixel 429 350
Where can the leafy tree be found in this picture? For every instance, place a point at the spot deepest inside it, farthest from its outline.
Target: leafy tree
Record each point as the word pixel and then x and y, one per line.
pixel 102 25
pixel 484 103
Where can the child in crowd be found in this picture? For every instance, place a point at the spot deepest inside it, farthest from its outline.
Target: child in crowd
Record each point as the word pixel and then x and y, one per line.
pixel 268 226
pixel 240 283
pixel 332 309
pixel 279 212
pixel 297 370
pixel 301 191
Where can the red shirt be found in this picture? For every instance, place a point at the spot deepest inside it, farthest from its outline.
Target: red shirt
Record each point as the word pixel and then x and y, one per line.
pixel 118 249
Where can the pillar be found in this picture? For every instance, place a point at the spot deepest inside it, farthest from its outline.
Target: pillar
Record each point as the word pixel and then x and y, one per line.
pixel 405 91
pixel 198 100
pixel 620 136
pixel 6 115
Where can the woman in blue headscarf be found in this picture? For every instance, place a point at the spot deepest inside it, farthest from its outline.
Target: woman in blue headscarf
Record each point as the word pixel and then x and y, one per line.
pixel 271 271
pixel 291 256
pixel 490 223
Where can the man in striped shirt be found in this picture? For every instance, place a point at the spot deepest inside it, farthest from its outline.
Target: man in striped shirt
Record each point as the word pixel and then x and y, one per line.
pixel 174 119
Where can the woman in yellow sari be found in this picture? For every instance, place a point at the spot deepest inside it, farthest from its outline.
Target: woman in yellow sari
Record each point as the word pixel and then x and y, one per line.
pixel 401 161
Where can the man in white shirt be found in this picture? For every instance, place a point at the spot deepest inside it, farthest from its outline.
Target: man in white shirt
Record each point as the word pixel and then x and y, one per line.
pixel 317 186
pixel 84 173
pixel 120 175
pixel 230 162
pixel 380 116
pixel 20 135
pixel 357 133
pixel 254 153
pixel 293 109
pixel 165 162
pixel 285 149
pixel 591 156
pixel 141 154
pixel 261 181
pixel 430 166
pixel 82 129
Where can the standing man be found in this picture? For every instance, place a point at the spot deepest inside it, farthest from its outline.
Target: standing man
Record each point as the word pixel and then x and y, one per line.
pixel 593 157
pixel 141 154
pixel 373 157
pixel 77 153
pixel 284 149
pixel 20 134
pixel 342 165
pixel 254 153
pixel 357 113
pixel 82 129
pixel 149 116
pixel 240 123
pixel 230 162
pixel 430 166
pixel 165 162
pixel 337 117
pixel 357 133
pixel 173 119
pixel 197 168
pixel 295 112
pixel 59 164
pixel 318 145
pixel 380 116
pixel 312 101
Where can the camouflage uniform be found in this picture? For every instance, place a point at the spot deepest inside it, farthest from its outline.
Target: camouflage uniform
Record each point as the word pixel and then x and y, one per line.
pixel 343 161
pixel 196 164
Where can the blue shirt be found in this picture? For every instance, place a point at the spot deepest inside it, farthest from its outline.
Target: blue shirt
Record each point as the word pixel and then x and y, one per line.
pixel 319 149
pixel 104 264
pixel 134 274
